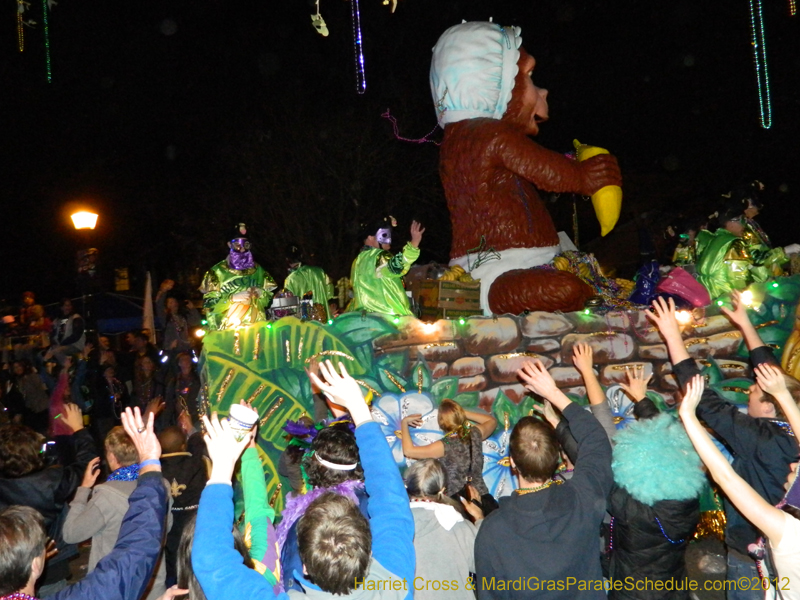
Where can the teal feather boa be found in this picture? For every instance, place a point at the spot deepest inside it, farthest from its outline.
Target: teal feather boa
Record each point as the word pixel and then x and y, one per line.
pixel 654 460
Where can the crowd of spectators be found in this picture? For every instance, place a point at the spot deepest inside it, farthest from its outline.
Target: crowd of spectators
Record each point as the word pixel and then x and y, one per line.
pixel 107 446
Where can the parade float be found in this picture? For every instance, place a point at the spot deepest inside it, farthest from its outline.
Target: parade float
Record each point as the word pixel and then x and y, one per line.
pixel 515 290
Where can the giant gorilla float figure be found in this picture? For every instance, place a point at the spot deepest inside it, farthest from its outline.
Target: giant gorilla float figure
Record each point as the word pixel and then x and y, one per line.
pixel 487 104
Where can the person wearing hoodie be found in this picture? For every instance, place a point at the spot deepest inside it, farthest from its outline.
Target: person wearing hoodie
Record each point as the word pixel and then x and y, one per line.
pixel 443 539
pixel 542 541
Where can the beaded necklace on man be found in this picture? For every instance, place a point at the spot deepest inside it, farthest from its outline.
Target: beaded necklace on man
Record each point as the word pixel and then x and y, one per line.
pixel 539 488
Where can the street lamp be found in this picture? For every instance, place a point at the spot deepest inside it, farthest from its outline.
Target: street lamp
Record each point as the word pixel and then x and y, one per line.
pixel 84 220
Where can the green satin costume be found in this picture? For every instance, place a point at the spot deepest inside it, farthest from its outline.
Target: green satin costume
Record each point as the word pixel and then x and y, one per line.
pixel 306 279
pixel 377 280
pixel 723 262
pixel 767 262
pixel 219 286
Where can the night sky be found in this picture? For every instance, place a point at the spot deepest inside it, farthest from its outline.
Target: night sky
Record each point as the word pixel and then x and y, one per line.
pixel 176 119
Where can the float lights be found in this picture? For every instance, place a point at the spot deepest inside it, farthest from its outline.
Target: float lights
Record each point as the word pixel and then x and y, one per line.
pixel 429 327
pixel 461 321
pixel 747 298
pixel 269 325
pixel 200 333
pixel 774 284
pixel 720 303
pixel 204 322
pixel 683 317
pixel 194 356
pixel 396 320
pixel 586 311
pixel 330 321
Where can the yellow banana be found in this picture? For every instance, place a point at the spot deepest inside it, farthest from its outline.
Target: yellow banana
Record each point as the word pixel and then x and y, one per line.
pixel 607 201
pixel 561 263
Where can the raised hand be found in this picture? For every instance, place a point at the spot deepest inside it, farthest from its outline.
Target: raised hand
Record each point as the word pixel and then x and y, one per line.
pixel 598 172
pixel 737 316
pixel 582 356
pixel 636 388
pixel 143 437
pixel 537 379
pixel 416 233
pixel 694 391
pixel 663 316
pixel 475 511
pixel 413 420
pixel 73 417
pixel 91 473
pixel 172 592
pixel 342 389
pixel 155 406
pixel 224 448
pixel 770 379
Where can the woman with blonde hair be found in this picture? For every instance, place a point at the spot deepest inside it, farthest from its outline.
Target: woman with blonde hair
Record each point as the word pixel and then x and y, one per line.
pixel 460 450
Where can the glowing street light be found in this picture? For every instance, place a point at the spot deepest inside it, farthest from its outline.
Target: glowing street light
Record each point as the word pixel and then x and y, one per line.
pixel 84 220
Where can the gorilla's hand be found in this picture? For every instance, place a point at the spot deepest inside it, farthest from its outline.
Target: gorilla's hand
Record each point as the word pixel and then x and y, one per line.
pixel 598 172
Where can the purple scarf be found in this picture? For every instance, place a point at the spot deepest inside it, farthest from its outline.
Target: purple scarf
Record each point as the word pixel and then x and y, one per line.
pixel 298 505
pixel 240 261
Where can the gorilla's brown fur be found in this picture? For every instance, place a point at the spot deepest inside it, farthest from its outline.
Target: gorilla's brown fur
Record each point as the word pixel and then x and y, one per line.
pixel 490 170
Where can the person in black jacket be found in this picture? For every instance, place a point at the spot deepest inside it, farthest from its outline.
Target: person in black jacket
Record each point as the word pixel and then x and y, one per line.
pixel 547 530
pixel 27 480
pixel 125 572
pixel 654 503
pixel 762 443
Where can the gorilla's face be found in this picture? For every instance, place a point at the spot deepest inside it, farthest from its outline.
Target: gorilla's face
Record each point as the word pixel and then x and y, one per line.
pixel 528 105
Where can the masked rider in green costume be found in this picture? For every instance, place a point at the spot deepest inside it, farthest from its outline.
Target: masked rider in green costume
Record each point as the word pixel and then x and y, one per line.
pixel 377 274
pixel 303 279
pixel 237 290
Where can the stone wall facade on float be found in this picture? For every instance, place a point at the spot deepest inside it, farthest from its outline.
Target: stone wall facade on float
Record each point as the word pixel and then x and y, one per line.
pixel 485 353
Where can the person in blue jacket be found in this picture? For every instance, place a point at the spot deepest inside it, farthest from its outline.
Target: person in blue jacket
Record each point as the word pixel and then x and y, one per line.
pixel 343 554
pixel 126 571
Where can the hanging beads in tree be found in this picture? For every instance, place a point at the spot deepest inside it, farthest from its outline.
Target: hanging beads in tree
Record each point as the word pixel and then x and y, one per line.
pixel 45 10
pixel 358 47
pixel 20 26
pixel 759 42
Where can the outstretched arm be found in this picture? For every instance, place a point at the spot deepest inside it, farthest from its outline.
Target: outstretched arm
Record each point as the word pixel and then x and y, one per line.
pixel 738 316
pixel 753 507
pixel 434 450
pixel 217 565
pixel 391 521
pixel 125 572
pixel 582 357
pixel 593 459
pixel 663 316
pixel 486 423
pixel 552 171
